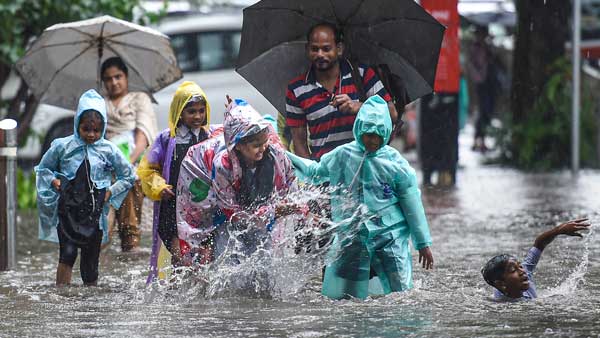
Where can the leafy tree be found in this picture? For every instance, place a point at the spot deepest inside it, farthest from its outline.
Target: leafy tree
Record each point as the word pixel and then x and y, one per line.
pixel 23 20
pixel 539 136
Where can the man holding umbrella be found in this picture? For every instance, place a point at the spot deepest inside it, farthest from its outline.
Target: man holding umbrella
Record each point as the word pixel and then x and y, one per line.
pixel 326 98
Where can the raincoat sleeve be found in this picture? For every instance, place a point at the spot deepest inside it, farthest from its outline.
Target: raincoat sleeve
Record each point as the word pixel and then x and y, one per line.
pixel 195 199
pixel 124 178
pixel 409 198
pixel 47 196
pixel 223 188
pixel 291 183
pixel 311 171
pixel 150 169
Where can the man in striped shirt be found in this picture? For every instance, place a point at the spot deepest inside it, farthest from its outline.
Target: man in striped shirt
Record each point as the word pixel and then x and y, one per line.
pixel 326 98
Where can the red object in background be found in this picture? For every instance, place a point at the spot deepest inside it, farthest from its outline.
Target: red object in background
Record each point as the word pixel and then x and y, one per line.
pixel 447 77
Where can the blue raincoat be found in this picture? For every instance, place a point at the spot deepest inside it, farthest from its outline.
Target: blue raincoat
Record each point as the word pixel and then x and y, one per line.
pixel 376 234
pixel 64 158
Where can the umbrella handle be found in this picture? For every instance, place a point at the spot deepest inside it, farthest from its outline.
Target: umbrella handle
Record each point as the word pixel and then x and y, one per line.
pixel 100 53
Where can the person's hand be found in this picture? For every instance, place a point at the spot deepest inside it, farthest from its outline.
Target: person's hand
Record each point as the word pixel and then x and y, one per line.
pixel 426 258
pixel 286 209
pixel 228 101
pixel 572 228
pixel 56 184
pixel 107 195
pixel 167 194
pixel 345 104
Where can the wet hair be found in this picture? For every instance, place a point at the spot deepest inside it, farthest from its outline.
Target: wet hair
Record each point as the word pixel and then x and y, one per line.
pixel 195 99
pixel 495 267
pixel 90 114
pixel 253 137
pixel 336 31
pixel 114 61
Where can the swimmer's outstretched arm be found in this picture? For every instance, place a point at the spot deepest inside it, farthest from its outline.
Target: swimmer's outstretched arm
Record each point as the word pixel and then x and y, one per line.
pixel 570 228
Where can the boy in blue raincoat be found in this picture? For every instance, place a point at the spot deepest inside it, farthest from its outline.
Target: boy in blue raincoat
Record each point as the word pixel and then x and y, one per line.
pixel 74 182
pixel 385 208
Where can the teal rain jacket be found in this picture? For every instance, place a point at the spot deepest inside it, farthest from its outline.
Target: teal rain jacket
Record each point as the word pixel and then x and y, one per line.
pixel 385 185
pixel 64 158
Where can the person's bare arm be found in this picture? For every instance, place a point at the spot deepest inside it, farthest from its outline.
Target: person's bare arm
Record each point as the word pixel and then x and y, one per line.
pixel 570 228
pixel 141 143
pixel 299 136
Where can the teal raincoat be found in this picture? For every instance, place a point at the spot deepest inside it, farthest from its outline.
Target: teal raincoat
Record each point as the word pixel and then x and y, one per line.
pixel 375 235
pixel 64 158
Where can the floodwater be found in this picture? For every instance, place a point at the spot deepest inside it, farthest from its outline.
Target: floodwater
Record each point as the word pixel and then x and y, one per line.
pixel 492 210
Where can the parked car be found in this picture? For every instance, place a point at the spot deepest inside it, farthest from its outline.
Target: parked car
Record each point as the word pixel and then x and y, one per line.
pixel 206 47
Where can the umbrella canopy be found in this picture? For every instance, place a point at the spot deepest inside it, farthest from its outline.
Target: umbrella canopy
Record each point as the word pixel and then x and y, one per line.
pixel 507 19
pixel 399 33
pixel 65 60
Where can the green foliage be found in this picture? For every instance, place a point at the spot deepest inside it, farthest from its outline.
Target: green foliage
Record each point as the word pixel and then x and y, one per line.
pixel 26 192
pixel 542 139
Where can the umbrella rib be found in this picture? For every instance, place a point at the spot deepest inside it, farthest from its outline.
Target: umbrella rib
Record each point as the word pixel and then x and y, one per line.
pixel 122 33
pixel 134 46
pixel 333 11
pixel 56 45
pixel 65 65
pixel 354 13
pixel 82 32
pixel 132 67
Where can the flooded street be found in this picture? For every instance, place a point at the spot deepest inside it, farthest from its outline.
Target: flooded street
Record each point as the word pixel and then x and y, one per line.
pixel 492 210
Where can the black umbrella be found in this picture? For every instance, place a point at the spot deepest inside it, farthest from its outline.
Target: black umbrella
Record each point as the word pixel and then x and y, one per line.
pixel 398 33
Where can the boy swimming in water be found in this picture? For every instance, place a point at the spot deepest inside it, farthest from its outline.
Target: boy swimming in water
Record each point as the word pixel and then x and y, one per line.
pixel 513 280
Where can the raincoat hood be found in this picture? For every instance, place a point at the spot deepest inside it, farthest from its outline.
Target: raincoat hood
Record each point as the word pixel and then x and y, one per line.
pixel 94 101
pixel 373 117
pixel 183 94
pixel 242 120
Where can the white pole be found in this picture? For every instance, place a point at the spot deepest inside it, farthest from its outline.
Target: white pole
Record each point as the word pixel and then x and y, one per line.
pixel 9 152
pixel 576 89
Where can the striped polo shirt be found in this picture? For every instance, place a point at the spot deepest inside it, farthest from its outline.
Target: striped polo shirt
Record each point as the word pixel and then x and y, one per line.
pixel 307 103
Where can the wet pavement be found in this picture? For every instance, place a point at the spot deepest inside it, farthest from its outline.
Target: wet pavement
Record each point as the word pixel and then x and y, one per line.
pixel 492 210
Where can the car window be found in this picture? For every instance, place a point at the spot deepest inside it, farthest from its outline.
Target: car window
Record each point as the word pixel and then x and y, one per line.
pixel 202 51
pixel 186 51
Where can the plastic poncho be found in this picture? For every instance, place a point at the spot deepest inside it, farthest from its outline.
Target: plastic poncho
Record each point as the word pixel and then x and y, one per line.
pixel 242 120
pixel 154 169
pixel 384 183
pixel 64 158
pixel 197 212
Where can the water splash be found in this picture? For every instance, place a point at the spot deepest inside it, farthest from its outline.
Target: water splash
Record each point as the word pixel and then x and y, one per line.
pixel 279 264
pixel 577 276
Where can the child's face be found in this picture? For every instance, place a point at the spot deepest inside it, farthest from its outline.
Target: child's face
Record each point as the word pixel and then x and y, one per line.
pixel 90 128
pixel 253 151
pixel 514 280
pixel 194 116
pixel 371 141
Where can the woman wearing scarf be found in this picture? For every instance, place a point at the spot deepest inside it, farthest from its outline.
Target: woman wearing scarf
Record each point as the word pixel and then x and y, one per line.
pixel 131 126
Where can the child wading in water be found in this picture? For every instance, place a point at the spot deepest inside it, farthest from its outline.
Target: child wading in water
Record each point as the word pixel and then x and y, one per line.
pixel 372 174
pixel 73 184
pixel 189 116
pixel 514 281
pixel 252 176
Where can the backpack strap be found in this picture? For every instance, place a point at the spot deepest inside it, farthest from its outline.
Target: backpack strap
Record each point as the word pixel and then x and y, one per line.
pixel 358 82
